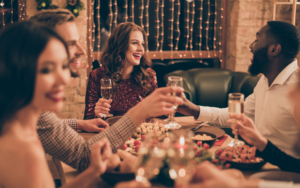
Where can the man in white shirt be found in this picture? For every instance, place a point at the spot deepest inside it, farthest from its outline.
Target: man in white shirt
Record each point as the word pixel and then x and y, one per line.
pixel 274 52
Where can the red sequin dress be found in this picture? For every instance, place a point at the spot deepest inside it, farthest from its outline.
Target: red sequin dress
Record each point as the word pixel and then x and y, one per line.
pixel 128 94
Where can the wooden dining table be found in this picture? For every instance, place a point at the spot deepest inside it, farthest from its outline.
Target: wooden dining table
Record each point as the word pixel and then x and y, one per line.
pixel 187 123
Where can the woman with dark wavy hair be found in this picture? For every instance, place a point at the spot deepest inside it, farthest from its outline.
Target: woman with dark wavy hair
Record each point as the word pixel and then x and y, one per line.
pixel 34 71
pixel 125 62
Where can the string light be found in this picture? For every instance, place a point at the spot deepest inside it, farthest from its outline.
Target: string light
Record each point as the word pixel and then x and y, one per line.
pixel 11 12
pixel 187 24
pixel 147 20
pixel 162 24
pixel 171 20
pixel 126 10
pixel 215 28
pixel 177 24
pixel 110 16
pixel 200 28
pixel 141 13
pixel 92 40
pixel 207 28
pixel 89 33
pixel 2 9
pixel 192 26
pixel 115 22
pixel 157 23
pixel 99 29
pixel 132 11
pixel 220 42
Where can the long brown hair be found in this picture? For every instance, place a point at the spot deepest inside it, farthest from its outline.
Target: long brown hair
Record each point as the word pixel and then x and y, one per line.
pixel 113 57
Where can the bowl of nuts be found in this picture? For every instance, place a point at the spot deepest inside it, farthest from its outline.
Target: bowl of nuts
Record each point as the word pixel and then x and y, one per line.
pixel 205 137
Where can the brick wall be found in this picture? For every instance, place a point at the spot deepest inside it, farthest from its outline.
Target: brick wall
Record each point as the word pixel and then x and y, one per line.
pixel 246 17
pixel 75 92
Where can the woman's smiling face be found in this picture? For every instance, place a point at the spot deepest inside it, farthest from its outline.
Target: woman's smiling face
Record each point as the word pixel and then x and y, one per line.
pixel 53 74
pixel 135 49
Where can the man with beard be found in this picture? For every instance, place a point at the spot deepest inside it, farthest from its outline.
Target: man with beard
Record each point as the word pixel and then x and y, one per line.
pixel 274 52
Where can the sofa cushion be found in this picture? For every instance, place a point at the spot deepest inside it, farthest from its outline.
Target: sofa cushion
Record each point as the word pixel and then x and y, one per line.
pixel 211 86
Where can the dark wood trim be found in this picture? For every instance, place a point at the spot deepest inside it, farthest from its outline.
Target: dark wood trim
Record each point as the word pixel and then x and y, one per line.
pixel 177 54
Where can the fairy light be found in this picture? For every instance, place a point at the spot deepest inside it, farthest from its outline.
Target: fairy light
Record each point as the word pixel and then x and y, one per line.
pixel 89 35
pixel 110 16
pixel 171 24
pixel 177 24
pixel 132 11
pixel 92 40
pixel 215 28
pixel 157 23
pixel 141 13
pixel 115 22
pixel 147 20
pixel 2 9
pixel 126 10
pixel 162 24
pixel 187 24
pixel 98 29
pixel 11 11
pixel 24 10
pixel 207 28
pixel 192 25
pixel 220 42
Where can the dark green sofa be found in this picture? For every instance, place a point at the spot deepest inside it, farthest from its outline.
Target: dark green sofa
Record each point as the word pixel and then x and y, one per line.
pixel 211 86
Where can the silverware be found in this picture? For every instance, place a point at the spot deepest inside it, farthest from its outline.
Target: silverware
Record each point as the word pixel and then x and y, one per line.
pixel 199 126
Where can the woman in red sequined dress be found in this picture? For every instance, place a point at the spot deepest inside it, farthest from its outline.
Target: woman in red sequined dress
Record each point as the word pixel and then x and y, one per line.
pixel 123 61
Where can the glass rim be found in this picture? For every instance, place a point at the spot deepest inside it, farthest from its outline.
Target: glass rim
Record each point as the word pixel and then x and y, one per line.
pixel 236 96
pixel 175 78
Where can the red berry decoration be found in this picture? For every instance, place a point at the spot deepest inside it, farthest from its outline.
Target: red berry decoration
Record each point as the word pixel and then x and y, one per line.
pixel 198 153
pixel 129 138
pixel 199 143
pixel 215 161
pixel 124 147
pixel 219 152
pixel 137 142
pixel 227 165
pixel 219 167
pixel 137 148
pixel 205 146
pixel 195 147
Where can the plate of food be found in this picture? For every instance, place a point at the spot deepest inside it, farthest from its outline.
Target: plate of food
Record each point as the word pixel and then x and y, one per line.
pixel 211 129
pixel 242 158
pixel 205 137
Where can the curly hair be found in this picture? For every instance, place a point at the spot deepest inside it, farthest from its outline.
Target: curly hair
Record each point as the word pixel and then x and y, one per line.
pixel 113 57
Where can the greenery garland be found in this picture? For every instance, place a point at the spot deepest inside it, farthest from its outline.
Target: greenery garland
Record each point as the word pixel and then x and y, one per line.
pixel 73 5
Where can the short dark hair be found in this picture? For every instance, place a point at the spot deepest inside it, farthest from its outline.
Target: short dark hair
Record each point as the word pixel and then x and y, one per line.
pixel 21 44
pixel 287 35
pixel 53 17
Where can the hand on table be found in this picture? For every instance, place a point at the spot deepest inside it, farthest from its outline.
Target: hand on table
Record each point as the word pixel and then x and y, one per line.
pixel 102 107
pixel 247 130
pixel 100 153
pixel 92 125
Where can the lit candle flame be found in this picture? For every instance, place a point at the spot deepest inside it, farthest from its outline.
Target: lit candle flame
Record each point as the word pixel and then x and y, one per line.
pixel 181 141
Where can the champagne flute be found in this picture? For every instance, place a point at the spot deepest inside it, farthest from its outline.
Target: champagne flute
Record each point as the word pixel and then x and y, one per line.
pixel 174 81
pixel 236 106
pixel 106 92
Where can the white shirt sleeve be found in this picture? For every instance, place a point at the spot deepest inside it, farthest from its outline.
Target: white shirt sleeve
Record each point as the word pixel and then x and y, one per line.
pixel 249 106
pixel 218 116
pixel 277 184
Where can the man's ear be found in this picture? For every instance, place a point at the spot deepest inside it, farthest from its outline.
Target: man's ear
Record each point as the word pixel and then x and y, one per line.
pixel 274 49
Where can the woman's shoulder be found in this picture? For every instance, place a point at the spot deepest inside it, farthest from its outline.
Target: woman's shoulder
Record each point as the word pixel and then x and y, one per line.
pixel 98 73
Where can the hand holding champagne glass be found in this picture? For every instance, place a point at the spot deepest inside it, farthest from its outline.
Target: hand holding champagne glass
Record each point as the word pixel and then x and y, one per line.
pixel 174 81
pixel 106 92
pixel 236 106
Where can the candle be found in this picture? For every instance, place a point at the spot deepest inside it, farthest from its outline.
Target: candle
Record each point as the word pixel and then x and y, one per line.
pixel 181 146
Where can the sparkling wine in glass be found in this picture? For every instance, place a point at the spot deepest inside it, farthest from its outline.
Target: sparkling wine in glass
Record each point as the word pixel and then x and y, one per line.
pixel 106 92
pixel 236 106
pixel 177 82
